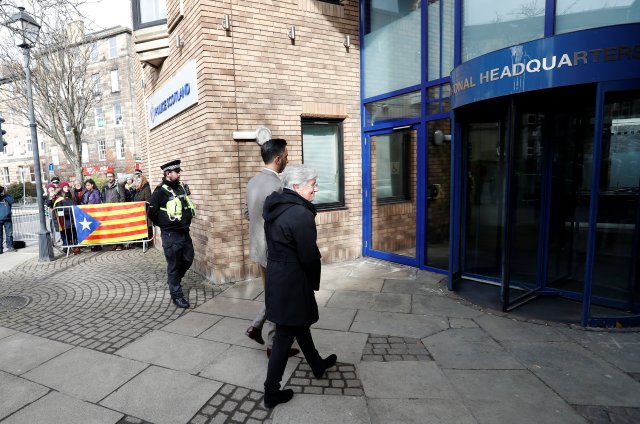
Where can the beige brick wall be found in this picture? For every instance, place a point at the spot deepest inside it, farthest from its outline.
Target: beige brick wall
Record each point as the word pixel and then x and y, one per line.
pixel 250 76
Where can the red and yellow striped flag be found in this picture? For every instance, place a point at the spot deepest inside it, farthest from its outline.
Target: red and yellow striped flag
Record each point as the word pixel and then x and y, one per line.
pixel 111 222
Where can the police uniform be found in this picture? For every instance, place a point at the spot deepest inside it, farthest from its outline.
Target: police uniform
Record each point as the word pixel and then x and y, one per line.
pixel 171 209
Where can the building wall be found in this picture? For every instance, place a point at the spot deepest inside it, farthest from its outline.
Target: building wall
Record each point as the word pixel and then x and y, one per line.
pixel 250 76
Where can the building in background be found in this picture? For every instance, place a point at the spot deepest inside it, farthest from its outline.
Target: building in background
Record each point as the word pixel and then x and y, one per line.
pixel 110 136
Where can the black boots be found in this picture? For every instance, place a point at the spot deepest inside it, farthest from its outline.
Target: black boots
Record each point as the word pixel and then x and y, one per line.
pixel 326 363
pixel 180 302
pixel 271 399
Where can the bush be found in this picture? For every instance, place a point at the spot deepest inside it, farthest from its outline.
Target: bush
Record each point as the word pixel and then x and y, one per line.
pixel 15 190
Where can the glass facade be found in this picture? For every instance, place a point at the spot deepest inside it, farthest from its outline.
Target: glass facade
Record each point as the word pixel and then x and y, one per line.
pixel 574 15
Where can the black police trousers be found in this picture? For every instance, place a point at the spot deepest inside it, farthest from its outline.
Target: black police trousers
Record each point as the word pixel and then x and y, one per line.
pixel 178 250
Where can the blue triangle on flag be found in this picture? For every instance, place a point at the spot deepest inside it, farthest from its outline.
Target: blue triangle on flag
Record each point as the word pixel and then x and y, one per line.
pixel 85 223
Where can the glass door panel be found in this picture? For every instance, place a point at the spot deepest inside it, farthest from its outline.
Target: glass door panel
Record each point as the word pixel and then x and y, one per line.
pixel 393 192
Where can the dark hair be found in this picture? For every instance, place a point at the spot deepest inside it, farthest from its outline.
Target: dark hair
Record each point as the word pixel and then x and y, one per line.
pixel 93 183
pixel 272 149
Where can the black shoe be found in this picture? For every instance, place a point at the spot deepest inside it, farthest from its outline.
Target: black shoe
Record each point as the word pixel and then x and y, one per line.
pixel 292 352
pixel 181 302
pixel 281 396
pixel 327 363
pixel 96 248
pixel 255 334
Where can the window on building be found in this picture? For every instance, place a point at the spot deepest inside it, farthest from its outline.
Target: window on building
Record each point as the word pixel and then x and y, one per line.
pixel 95 83
pixel 322 150
pixel 43 145
pixel 113 47
pixel 29 145
pixel 115 81
pixel 119 148
pixel 117 114
pixel 3 148
pixel 572 15
pixel 84 157
pixel 94 52
pixel 99 117
pixel 392 167
pixel 55 158
pixel 102 150
pixel 440 27
pixel 5 175
pixel 27 174
pixel 148 13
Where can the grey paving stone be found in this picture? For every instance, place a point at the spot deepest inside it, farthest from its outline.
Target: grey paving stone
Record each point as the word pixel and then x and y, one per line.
pixel 162 396
pixel 442 306
pixel 506 396
pixel 14 347
pixel 85 374
pixel 168 350
pixel 346 345
pixel 418 411
pixel 363 284
pixel 323 296
pixel 16 392
pixel 386 302
pixel 230 307
pixel 248 289
pixel 231 330
pixel 312 409
pixel 504 328
pixel 426 286
pixel 339 319
pixel 192 324
pixel 404 380
pixel 617 348
pixel 56 408
pixel 5 332
pixel 388 323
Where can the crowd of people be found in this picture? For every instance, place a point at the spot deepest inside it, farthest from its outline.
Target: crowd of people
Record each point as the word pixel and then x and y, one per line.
pixel 60 199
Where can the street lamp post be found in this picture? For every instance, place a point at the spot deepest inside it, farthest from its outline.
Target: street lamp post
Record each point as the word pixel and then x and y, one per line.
pixel 26 31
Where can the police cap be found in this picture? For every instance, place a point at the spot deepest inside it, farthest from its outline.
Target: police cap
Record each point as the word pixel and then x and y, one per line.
pixel 174 165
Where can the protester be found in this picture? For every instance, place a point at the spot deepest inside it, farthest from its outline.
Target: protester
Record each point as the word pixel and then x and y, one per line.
pixel 63 215
pixel 113 193
pixel 293 274
pixel 143 189
pixel 56 183
pixel 274 155
pixel 65 190
pixel 129 189
pixel 171 209
pixel 6 223
pixel 78 192
pixel 91 196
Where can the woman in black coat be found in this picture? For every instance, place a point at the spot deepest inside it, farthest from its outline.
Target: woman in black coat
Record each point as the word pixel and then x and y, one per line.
pixel 293 274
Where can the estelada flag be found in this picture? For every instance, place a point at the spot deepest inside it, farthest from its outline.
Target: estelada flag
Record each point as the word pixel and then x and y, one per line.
pixel 110 222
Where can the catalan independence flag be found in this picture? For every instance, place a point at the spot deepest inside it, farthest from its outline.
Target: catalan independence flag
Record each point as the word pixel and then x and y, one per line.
pixel 110 222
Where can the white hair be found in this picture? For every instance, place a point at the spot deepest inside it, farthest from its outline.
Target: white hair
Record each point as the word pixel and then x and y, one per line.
pixel 297 175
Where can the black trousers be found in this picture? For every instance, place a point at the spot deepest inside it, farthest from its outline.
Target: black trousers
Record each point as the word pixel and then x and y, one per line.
pixel 178 250
pixel 282 342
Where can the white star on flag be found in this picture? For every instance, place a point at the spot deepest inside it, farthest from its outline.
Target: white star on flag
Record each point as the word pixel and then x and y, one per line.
pixel 86 225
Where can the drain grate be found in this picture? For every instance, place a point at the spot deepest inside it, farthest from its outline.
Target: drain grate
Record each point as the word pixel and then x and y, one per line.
pixel 13 303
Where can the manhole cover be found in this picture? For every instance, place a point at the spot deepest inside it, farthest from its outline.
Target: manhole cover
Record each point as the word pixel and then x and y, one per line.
pixel 13 303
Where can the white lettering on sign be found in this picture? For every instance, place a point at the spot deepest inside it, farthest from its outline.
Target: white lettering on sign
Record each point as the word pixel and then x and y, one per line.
pixel 176 95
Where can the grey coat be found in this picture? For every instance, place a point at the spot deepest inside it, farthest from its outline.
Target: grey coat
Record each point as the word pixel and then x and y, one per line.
pixel 259 187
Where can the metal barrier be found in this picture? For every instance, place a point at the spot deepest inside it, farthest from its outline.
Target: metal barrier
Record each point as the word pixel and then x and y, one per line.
pixel 26 222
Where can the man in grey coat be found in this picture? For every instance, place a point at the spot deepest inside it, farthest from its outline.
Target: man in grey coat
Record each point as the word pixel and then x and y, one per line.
pixel 274 155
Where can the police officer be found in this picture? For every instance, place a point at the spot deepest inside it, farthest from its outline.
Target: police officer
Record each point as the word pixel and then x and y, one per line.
pixel 171 209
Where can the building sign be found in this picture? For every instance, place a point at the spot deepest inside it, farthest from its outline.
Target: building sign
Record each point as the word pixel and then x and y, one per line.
pixel 602 54
pixel 176 95
pixel 93 170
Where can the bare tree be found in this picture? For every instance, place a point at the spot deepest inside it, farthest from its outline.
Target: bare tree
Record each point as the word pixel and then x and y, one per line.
pixel 64 93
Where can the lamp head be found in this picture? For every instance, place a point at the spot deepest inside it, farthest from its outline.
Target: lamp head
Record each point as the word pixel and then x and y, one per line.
pixel 25 28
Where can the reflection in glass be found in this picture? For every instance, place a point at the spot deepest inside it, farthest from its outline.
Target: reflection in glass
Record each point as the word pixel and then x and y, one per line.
pixel 393 192
pixel 152 10
pixel 398 107
pixel 391 45
pixel 321 151
pixel 488 25
pixel 572 15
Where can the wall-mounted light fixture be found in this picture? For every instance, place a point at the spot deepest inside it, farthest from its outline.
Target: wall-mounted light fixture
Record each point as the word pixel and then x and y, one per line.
pixel 261 135
pixel 439 137
pixel 226 23
pixel 292 33
pixel 347 42
pixel 179 42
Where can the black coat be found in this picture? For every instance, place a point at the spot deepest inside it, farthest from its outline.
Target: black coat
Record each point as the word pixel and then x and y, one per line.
pixel 159 200
pixel 293 259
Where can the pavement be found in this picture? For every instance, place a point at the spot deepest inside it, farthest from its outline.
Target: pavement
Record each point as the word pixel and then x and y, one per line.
pixel 94 338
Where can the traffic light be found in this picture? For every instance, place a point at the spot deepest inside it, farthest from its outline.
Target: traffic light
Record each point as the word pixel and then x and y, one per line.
pixel 2 133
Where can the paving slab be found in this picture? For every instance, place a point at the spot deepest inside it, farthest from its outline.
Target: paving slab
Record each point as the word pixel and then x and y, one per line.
pixel 6 332
pixel 404 380
pixel 14 348
pixel 580 377
pixel 335 318
pixel 57 408
pixel 323 296
pixel 173 351
pixel 364 284
pixel 504 328
pixel 419 411
pixel 619 349
pixel 441 306
pixel 248 289
pixel 163 396
pixel 192 324
pixel 16 392
pixel 374 268
pixel 231 307
pixel 394 324
pixel 414 287
pixel 322 409
pixel 244 367
pixel 385 302
pixel 469 348
pixel 347 346
pixel 462 323
pixel 510 396
pixel 231 331
pixel 85 374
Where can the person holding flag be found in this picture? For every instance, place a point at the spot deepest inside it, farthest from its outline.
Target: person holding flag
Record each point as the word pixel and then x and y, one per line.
pixel 171 209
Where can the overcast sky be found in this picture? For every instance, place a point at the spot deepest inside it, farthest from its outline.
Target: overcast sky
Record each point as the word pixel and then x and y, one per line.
pixel 107 13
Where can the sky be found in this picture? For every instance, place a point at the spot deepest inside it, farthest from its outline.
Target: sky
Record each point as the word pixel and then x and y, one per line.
pixel 107 13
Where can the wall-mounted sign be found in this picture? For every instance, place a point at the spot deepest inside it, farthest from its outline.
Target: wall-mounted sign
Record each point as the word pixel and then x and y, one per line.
pixel 176 95
pixel 602 54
